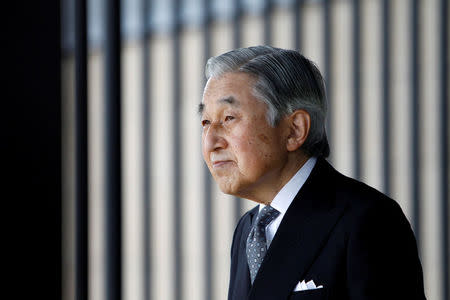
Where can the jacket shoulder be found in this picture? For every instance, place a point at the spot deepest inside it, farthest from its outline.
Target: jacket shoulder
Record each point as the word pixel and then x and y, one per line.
pixel 359 195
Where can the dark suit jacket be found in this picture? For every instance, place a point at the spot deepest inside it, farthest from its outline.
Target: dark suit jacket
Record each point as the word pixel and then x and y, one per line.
pixel 342 234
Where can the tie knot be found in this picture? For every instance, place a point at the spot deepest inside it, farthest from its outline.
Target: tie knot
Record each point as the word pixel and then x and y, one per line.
pixel 266 215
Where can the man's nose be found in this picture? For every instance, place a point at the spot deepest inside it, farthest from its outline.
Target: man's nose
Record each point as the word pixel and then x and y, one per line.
pixel 214 139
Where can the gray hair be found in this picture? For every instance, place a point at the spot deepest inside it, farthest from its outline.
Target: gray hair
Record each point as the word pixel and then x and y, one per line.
pixel 286 81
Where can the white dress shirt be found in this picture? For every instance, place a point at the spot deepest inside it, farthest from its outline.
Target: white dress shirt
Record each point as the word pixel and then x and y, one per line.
pixel 285 196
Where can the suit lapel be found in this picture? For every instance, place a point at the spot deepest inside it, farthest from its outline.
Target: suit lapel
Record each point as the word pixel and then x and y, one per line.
pixel 242 281
pixel 302 233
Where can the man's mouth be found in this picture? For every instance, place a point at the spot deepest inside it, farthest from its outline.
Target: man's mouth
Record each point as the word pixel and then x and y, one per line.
pixel 221 163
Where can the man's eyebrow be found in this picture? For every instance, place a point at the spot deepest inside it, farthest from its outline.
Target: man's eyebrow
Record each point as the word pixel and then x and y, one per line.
pixel 227 100
pixel 201 108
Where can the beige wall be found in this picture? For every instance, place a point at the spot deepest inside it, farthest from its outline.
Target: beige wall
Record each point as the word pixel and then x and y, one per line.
pixel 192 176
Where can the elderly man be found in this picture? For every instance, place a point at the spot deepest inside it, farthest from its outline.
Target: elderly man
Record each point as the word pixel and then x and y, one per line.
pixel 315 234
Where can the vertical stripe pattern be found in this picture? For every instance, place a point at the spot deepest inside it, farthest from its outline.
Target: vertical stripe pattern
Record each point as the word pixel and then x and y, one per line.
pixel 145 220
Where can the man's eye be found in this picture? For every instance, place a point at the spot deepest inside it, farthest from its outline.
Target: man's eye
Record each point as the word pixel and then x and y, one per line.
pixel 205 123
pixel 229 118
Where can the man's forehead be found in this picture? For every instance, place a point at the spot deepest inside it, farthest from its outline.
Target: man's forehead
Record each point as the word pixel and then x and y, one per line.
pixel 227 84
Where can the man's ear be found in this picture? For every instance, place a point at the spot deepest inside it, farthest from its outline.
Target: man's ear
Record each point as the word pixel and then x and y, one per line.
pixel 299 125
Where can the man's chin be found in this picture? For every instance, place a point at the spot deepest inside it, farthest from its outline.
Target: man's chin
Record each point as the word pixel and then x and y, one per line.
pixel 228 189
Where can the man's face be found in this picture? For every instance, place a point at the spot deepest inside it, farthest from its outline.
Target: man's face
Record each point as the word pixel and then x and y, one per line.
pixel 243 152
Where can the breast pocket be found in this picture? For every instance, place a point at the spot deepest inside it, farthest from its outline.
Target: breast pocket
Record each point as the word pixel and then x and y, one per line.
pixel 309 294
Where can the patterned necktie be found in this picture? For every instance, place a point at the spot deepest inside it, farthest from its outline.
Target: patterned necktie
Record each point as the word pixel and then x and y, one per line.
pixel 256 240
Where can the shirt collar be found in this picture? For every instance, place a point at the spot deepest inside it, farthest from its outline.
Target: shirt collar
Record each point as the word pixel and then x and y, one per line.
pixel 288 192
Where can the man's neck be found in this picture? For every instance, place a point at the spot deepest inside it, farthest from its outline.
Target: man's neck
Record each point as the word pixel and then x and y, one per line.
pixel 267 193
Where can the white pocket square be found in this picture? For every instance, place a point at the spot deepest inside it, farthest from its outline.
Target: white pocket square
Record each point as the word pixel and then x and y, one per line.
pixel 310 285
